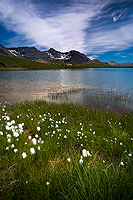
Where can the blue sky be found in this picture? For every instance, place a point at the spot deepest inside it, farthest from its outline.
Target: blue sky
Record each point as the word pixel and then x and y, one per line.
pixel 101 29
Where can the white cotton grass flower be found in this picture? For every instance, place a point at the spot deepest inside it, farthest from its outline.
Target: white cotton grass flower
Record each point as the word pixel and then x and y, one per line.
pixel 34 141
pixel 36 136
pixel 129 154
pixel 39 148
pixel 32 151
pixel 13 122
pixel 84 153
pixel 12 145
pixel 20 126
pixel 65 136
pixel 15 150
pixel 24 155
pixel 38 128
pixel 69 160
pixel 122 163
pixel 81 161
pixel 7 128
pixel 29 137
pixel 7 118
pixel 9 140
pixel 47 183
pixel 1 133
pixel 121 143
pixel 8 136
pixel 7 148
pixel 15 134
pixel 88 153
pixel 8 124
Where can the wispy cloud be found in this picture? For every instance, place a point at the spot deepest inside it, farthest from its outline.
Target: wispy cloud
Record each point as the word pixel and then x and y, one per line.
pixel 63 30
pixel 79 25
pixel 117 39
pixel 93 57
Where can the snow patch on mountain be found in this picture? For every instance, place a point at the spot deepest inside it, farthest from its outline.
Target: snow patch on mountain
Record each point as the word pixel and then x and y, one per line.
pixel 13 52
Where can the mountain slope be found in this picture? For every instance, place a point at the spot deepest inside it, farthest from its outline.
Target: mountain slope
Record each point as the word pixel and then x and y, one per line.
pixel 113 63
pixel 32 53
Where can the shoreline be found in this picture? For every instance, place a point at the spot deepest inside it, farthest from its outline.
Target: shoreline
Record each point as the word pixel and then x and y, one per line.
pixel 68 94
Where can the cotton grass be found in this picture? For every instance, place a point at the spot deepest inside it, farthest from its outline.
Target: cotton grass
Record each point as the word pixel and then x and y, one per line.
pixel 65 151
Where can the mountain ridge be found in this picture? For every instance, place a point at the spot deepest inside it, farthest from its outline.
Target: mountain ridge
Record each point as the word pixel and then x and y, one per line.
pixel 32 53
pixel 113 63
pixel 72 57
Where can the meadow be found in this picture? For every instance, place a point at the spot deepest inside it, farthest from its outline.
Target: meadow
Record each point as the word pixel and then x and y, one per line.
pixel 14 63
pixel 65 151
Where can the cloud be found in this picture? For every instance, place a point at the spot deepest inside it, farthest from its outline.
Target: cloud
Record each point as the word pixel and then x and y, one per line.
pixel 80 24
pixel 93 57
pixel 116 39
pixel 63 29
pixel 120 55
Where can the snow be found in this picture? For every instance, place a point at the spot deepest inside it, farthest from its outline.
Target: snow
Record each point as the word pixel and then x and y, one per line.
pixel 13 52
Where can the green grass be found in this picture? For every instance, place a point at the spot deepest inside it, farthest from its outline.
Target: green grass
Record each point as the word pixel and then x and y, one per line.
pixel 8 62
pixel 98 64
pixel 94 64
pixel 62 131
pixel 13 62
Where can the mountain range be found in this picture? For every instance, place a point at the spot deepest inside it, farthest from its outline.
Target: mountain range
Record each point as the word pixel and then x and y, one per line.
pixel 73 57
pixel 113 63
pixel 32 53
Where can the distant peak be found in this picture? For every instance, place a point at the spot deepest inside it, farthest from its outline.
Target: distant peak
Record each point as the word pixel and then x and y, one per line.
pixel 52 50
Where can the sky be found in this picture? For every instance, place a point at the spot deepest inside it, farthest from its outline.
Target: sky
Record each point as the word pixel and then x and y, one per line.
pixel 101 29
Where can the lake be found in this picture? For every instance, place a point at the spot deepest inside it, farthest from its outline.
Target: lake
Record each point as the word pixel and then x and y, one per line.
pixel 103 88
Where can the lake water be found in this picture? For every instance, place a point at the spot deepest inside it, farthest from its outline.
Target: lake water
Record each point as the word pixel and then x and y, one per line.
pixel 105 88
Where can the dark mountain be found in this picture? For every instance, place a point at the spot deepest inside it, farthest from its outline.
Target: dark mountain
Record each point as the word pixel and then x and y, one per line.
pixel 4 51
pixel 32 53
pixel 77 57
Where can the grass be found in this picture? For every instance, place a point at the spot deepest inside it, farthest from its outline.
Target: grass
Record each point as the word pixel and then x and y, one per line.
pixel 42 155
pixel 8 62
pixel 12 63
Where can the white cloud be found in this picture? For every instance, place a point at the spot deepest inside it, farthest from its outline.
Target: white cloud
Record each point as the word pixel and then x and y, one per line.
pixel 93 57
pixel 65 29
pixel 111 40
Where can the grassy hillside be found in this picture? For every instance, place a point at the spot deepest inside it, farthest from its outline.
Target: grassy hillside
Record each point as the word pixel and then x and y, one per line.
pixel 94 64
pixel 13 62
pixel 7 62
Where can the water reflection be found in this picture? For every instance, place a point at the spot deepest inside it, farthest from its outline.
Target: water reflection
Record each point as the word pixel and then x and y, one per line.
pixel 94 87
pixel 96 99
pixel 19 91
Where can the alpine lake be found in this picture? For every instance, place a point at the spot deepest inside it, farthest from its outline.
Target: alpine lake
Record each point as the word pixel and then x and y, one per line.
pixel 104 88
